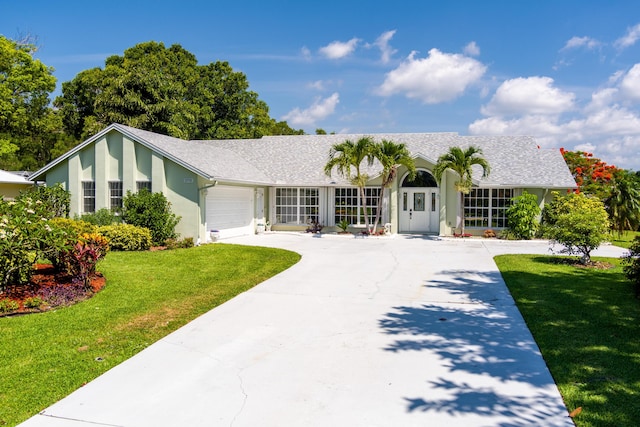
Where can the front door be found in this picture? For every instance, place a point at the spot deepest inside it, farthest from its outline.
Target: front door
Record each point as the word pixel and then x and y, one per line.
pixel 418 210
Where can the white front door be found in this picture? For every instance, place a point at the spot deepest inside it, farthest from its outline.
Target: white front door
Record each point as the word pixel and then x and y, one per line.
pixel 419 210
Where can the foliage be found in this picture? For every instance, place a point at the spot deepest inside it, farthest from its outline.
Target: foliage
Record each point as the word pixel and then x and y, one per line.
pixel 343 225
pixel 522 216
pixel 586 323
pixel 80 260
pixel 102 216
pixel 64 294
pixel 578 222
pixel 623 201
pixel 33 302
pixel 144 302
pixel 73 227
pixel 624 240
pixel 26 235
pixel 591 174
pixel 55 201
pixel 152 211
pixel 349 155
pixel 185 243
pixel 461 163
pixel 126 237
pixel 631 263
pixel 8 305
pixel 164 90
pixel 391 156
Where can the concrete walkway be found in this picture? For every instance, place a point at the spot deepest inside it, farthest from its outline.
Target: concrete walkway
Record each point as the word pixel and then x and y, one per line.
pixel 400 331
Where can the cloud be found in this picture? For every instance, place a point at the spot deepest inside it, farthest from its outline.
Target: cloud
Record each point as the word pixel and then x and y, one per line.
pixel 528 95
pixel 440 77
pixel 630 83
pixel 320 109
pixel 629 39
pixel 306 53
pixel 472 49
pixel 577 42
pixel 338 50
pixel 382 42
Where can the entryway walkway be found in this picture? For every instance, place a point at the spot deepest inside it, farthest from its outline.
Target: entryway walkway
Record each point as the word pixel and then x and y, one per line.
pixel 400 331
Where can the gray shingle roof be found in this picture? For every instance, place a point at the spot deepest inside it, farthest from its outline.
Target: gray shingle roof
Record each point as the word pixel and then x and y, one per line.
pixel 298 160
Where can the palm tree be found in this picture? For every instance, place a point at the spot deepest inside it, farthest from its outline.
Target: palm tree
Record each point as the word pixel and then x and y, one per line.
pixel 391 156
pixel 623 202
pixel 347 155
pixel 460 162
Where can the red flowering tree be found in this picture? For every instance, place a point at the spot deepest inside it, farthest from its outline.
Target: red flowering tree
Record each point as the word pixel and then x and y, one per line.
pixel 592 175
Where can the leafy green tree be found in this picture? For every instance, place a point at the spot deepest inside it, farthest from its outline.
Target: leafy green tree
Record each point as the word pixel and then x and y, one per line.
pixel 578 222
pixel 29 128
pixel 391 156
pixel 52 202
pixel 522 216
pixel 347 157
pixel 164 90
pixel 152 211
pixel 460 162
pixel 623 201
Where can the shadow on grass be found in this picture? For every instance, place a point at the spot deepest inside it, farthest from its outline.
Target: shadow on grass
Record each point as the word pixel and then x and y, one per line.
pixel 496 368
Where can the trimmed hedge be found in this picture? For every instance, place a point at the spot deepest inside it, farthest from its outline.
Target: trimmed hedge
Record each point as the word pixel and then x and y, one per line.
pixel 126 237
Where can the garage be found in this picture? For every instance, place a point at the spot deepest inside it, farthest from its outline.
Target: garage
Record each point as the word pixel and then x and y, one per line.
pixel 230 210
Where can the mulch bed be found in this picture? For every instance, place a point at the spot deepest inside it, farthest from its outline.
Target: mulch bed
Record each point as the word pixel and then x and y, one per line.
pixel 46 280
pixel 575 262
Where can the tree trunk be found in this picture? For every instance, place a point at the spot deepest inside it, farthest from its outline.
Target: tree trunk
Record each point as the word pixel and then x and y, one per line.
pixel 461 214
pixel 364 208
pixel 378 210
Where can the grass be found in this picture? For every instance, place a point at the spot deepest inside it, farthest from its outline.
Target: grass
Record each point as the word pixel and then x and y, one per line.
pixel 586 323
pixel 46 356
pixel 624 240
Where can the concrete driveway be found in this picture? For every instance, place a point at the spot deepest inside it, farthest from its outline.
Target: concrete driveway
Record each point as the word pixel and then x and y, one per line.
pixel 401 331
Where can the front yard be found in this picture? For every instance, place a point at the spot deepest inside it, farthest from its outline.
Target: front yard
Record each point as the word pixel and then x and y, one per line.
pixel 586 323
pixel 46 356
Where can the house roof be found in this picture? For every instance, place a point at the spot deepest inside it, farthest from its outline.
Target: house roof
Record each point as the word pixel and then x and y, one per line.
pixel 12 178
pixel 298 160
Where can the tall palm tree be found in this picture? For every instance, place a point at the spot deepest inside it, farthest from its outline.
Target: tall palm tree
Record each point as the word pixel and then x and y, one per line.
pixel 391 156
pixel 623 202
pixel 349 155
pixel 460 162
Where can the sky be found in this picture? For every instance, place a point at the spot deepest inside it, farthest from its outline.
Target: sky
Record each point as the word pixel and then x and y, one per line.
pixel 566 72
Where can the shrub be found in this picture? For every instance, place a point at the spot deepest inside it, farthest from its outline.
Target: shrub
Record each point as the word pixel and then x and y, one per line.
pixel 126 237
pixel 631 264
pixel 343 225
pixel 54 201
pixel 522 216
pixel 8 305
pixel 578 222
pixel 102 216
pixel 75 227
pixel 80 260
pixel 33 302
pixel 187 242
pixel 152 211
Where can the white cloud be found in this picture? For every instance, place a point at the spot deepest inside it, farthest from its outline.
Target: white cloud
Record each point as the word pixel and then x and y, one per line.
pixel 317 85
pixel 630 38
pixel 383 44
pixel 576 42
pixel 440 77
pixel 338 50
pixel 320 109
pixel 472 49
pixel 630 83
pixel 528 95
pixel 601 99
pixel 306 53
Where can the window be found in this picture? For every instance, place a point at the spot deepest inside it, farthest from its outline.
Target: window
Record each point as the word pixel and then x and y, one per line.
pixel 486 207
pixel 88 196
pixel 348 205
pixel 115 195
pixel 297 205
pixel 143 185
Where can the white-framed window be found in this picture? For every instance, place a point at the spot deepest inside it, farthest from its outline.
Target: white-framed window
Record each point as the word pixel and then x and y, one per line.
pixel 348 204
pixel 297 205
pixel 88 196
pixel 487 207
pixel 115 195
pixel 143 185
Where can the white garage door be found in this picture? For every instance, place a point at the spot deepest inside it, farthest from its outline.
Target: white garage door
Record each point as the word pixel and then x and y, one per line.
pixel 230 210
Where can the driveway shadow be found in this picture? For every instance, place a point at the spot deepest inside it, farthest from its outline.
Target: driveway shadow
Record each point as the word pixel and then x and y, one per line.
pixel 496 366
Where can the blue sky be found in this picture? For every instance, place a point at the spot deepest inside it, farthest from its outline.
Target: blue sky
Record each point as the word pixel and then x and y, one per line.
pixel 564 71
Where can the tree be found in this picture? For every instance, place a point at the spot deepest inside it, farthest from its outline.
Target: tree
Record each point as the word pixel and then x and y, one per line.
pixel 591 174
pixel 460 162
pixel 391 156
pixel 29 129
pixel 522 216
pixel 631 264
pixel 623 201
pixel 578 222
pixel 349 155
pixel 164 90
pixel 152 211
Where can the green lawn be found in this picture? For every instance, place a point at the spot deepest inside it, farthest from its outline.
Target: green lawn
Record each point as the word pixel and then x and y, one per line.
pixel 587 325
pixel 624 240
pixel 46 356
